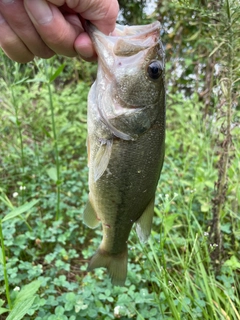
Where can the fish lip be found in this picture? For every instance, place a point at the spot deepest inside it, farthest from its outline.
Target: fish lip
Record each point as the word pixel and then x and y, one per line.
pixel 136 30
pixel 121 31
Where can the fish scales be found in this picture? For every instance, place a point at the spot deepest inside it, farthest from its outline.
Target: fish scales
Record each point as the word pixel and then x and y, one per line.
pixel 126 134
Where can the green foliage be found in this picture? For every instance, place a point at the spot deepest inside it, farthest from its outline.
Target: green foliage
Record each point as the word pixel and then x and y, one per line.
pixel 44 259
pixel 133 12
pixel 24 300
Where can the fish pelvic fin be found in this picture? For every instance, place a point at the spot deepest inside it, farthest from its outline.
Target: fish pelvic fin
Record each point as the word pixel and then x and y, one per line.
pixel 116 265
pixel 102 158
pixel 144 223
pixel 89 216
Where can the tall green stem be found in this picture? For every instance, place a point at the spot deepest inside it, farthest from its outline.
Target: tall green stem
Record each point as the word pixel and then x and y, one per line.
pixel 18 123
pixel 12 84
pixel 55 143
pixel 5 268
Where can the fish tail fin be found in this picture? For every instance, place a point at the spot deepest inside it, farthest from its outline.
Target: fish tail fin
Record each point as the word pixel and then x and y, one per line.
pixel 115 264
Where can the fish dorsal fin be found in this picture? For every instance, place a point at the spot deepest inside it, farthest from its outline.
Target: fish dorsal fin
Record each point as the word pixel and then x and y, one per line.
pixel 89 216
pixel 102 158
pixel 144 223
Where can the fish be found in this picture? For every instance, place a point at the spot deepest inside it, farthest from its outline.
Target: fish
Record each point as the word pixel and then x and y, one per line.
pixel 126 140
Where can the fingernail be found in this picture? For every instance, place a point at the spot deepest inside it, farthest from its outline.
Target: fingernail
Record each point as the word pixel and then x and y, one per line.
pixel 39 10
pixel 7 1
pixel 2 20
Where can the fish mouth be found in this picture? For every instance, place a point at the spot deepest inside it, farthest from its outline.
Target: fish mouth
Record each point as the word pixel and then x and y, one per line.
pixel 124 31
pixel 136 31
pixel 124 41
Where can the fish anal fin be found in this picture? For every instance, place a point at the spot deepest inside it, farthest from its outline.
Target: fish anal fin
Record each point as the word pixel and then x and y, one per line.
pixel 102 158
pixel 144 223
pixel 89 216
pixel 116 265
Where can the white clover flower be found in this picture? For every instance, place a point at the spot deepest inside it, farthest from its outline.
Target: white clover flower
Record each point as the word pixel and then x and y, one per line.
pixel 15 194
pixel 117 311
pixel 16 289
pixel 120 311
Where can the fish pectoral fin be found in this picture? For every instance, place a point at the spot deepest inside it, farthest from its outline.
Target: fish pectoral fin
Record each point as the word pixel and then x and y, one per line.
pixel 102 158
pixel 144 223
pixel 116 265
pixel 90 216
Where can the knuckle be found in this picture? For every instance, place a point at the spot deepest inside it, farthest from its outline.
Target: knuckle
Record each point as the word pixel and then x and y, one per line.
pixel 58 38
pixel 9 41
pixel 61 42
pixel 14 50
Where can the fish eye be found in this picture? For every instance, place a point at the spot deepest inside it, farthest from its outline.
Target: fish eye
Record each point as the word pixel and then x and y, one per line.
pixel 154 69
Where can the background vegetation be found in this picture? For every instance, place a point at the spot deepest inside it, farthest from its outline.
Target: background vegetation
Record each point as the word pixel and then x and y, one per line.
pixel 190 268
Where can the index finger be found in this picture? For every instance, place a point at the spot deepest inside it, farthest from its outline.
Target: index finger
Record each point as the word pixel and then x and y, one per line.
pixel 102 13
pixel 57 31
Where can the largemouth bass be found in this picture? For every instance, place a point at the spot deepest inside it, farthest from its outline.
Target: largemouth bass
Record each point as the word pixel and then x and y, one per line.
pixel 126 133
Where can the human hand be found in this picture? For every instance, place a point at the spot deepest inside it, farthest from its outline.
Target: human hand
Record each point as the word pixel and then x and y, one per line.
pixel 41 28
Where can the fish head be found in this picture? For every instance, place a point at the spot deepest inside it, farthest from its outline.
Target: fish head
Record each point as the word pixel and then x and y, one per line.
pixel 131 62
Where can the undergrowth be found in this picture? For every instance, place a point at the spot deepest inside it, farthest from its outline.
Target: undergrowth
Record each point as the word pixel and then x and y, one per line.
pixel 43 190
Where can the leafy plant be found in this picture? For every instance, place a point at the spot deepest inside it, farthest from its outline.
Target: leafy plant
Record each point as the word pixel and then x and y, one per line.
pixel 24 300
pixel 47 247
